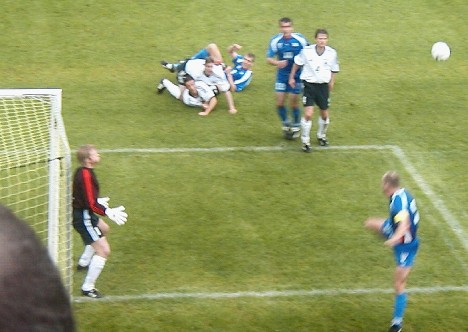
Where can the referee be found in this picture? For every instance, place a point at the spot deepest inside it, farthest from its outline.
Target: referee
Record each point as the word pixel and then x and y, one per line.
pixel 319 64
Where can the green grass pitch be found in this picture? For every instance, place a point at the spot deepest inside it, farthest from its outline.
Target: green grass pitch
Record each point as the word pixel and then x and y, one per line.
pixel 232 228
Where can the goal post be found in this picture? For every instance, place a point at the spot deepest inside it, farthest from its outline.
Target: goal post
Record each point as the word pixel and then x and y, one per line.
pixel 35 168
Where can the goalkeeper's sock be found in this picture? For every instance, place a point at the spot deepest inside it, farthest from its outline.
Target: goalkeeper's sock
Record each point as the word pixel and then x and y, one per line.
pixel 86 256
pixel 306 127
pixel 95 269
pixel 202 54
pixel 173 89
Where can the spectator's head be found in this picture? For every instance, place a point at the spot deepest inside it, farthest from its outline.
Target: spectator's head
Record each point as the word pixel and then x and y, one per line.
pixel 32 296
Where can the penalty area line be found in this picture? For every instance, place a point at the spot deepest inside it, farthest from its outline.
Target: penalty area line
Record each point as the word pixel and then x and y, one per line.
pixel 448 217
pixel 269 294
pixel 243 148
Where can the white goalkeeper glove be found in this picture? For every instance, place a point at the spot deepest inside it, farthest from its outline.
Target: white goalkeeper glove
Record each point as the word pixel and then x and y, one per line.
pixel 117 215
pixel 104 201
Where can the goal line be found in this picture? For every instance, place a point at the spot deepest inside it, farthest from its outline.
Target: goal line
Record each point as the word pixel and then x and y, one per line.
pixel 269 294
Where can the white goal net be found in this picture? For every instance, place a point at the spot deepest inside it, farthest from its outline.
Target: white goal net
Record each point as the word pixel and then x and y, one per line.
pixel 35 168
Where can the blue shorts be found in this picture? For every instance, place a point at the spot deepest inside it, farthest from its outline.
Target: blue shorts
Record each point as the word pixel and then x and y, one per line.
pixel 282 85
pixel 405 253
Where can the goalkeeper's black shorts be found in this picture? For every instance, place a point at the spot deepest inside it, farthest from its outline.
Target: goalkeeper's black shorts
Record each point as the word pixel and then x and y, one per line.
pixel 85 222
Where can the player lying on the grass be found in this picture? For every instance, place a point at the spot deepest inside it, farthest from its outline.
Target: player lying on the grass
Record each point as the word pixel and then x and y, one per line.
pixel 239 75
pixel 205 70
pixel 192 93
pixel 211 50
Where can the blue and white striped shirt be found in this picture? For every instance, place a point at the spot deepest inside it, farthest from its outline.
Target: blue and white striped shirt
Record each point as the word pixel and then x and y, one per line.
pixel 286 49
pixel 242 77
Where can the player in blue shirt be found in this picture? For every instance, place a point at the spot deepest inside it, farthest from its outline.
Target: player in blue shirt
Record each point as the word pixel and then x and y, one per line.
pixel 400 230
pixel 282 49
pixel 239 75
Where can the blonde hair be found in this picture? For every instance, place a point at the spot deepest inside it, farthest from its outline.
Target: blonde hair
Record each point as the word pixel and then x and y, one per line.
pixel 84 151
pixel 391 178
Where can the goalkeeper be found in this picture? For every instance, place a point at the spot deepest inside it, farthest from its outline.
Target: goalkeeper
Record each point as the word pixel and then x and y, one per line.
pixel 86 207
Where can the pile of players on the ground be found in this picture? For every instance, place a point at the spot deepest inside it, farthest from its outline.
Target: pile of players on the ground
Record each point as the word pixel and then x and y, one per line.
pixel 301 68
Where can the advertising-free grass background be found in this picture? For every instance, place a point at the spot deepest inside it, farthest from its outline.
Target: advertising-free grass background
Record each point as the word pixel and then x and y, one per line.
pixel 257 220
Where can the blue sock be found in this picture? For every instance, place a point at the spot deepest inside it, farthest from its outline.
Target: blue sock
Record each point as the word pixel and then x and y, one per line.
pixel 297 116
pixel 283 114
pixel 202 54
pixel 399 309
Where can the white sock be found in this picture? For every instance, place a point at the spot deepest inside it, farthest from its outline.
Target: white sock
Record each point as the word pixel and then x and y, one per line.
pixel 306 127
pixel 173 89
pixel 94 270
pixel 86 256
pixel 322 127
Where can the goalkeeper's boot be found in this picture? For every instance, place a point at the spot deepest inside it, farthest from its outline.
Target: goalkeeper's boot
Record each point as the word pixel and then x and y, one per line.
pixel 81 267
pixel 93 293
pixel 161 86
pixel 168 66
pixel 395 328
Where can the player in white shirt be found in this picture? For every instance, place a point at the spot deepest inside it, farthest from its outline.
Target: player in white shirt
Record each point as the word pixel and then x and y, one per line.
pixel 209 70
pixel 192 93
pixel 319 64
pixel 239 76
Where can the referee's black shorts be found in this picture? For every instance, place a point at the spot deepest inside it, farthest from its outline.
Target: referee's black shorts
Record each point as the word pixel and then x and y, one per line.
pixel 316 94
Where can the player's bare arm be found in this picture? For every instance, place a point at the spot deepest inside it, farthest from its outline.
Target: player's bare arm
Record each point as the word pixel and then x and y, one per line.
pixel 277 63
pixel 331 84
pixel 232 50
pixel 292 81
pixel 209 106
pixel 402 228
pixel 230 79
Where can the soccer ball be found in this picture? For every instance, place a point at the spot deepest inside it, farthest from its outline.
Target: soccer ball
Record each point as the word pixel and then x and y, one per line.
pixel 440 51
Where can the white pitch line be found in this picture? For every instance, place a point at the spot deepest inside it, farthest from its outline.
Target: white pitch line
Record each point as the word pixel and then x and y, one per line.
pixel 242 148
pixel 397 151
pixel 269 294
pixel 449 218
pixel 184 150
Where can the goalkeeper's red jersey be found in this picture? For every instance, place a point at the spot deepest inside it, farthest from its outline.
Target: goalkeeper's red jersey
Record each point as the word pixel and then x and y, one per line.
pixel 86 191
